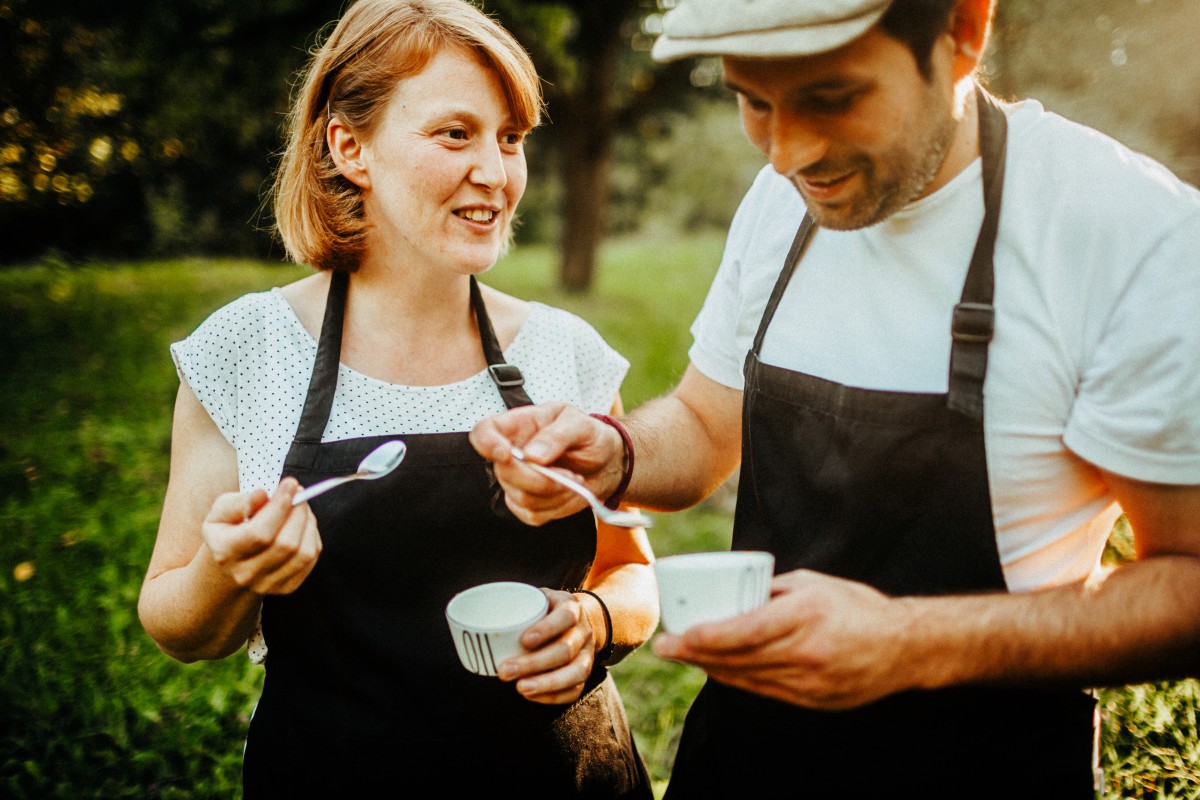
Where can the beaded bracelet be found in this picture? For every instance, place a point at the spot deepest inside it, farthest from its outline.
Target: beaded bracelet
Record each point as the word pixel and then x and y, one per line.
pixel 607 650
pixel 615 500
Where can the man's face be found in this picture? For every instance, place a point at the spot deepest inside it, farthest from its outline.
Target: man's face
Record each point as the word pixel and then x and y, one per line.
pixel 859 130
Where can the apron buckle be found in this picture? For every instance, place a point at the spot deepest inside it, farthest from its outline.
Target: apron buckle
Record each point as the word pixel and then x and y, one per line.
pixel 506 375
pixel 973 322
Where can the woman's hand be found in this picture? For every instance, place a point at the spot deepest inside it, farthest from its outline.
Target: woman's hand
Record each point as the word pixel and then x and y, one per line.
pixel 262 542
pixel 563 649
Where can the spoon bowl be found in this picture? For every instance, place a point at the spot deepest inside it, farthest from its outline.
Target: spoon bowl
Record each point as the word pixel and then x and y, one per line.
pixel 376 464
pixel 620 518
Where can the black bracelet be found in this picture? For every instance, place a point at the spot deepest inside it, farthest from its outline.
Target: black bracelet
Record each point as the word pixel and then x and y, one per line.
pixel 615 500
pixel 605 652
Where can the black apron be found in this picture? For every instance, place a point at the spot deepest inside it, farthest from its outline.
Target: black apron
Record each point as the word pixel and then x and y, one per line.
pixel 890 489
pixel 363 687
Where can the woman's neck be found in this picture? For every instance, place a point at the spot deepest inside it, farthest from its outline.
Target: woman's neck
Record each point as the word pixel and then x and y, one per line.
pixel 411 328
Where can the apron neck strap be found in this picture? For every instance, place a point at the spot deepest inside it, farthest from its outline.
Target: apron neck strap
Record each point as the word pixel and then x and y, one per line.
pixel 974 317
pixel 785 275
pixel 318 404
pixel 507 377
pixel 974 321
pixel 323 383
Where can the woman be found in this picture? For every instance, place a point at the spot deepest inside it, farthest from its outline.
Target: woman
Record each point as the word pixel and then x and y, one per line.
pixel 399 183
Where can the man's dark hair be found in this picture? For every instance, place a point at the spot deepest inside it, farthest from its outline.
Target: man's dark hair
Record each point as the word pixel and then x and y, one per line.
pixel 918 23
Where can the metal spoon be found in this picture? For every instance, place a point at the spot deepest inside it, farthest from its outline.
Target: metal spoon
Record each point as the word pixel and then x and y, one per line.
pixel 620 518
pixel 378 462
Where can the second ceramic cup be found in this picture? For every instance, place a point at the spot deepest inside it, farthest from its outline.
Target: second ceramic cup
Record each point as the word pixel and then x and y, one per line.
pixel 706 587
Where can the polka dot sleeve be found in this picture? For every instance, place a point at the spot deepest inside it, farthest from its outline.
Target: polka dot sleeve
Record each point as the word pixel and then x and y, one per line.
pixel 210 359
pixel 575 350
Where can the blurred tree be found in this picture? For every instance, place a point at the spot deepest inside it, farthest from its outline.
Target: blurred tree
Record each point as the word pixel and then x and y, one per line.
pixel 1012 20
pixel 142 128
pixel 599 80
pixel 64 142
pixel 146 129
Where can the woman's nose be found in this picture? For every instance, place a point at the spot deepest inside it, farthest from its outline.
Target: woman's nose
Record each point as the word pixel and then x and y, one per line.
pixel 488 169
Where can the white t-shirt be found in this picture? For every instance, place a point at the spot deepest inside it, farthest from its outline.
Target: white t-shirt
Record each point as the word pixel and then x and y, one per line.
pixel 1096 356
pixel 250 362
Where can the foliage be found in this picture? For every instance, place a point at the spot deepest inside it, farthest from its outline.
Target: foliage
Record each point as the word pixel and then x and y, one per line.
pixel 144 128
pixel 601 87
pixel 64 144
pixel 149 129
pixel 90 709
pixel 1151 741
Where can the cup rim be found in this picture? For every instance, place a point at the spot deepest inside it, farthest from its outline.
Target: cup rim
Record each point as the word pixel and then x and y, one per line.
pixel 517 586
pixel 715 556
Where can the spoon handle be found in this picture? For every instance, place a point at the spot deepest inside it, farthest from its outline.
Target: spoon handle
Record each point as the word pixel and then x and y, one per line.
pixel 320 488
pixel 574 486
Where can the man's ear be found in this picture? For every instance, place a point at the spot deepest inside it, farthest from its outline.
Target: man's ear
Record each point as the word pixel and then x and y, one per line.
pixel 347 152
pixel 970 25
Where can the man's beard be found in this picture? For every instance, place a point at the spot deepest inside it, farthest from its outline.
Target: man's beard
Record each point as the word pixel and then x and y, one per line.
pixel 907 175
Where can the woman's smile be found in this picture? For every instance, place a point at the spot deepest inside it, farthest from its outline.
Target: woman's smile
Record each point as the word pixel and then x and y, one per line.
pixel 479 216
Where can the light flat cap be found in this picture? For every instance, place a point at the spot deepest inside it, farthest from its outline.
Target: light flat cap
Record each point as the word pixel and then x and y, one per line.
pixel 766 28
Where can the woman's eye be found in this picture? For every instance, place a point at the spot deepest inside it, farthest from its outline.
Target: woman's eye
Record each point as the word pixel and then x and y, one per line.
pixel 513 138
pixel 457 133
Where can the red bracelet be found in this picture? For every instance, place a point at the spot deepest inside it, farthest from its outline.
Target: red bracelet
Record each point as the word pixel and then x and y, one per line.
pixel 615 500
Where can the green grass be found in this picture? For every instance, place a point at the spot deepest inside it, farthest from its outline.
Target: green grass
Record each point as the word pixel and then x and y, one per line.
pixel 90 709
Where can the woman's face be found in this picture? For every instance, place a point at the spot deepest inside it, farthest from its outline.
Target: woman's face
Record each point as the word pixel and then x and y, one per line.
pixel 445 169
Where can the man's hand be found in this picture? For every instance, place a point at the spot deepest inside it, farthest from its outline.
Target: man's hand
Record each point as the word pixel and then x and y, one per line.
pixel 552 434
pixel 820 642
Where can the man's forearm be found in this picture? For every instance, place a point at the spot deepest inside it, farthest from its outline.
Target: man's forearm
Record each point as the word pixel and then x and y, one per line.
pixel 686 444
pixel 1141 623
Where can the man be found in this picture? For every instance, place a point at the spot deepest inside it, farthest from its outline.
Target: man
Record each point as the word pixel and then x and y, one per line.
pixel 954 339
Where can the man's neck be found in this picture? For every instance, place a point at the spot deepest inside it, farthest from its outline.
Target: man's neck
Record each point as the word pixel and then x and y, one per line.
pixel 964 147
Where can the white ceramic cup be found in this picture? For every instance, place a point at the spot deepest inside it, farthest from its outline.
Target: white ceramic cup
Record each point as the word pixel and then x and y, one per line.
pixel 706 587
pixel 487 622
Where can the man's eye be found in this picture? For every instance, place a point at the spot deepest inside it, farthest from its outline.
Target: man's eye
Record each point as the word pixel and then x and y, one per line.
pixel 756 105
pixel 457 133
pixel 830 104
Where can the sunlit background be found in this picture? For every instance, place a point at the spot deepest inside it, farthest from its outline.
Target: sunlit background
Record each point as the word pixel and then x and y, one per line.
pixel 136 142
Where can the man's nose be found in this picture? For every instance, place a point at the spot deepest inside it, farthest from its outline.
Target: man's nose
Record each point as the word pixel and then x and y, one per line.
pixel 796 143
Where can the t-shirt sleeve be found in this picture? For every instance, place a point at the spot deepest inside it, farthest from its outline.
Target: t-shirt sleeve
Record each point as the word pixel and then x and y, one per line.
pixel 714 348
pixel 723 331
pixel 1137 412
pixel 207 360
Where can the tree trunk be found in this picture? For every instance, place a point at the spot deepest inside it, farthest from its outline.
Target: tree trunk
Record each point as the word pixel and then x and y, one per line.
pixel 588 130
pixel 586 165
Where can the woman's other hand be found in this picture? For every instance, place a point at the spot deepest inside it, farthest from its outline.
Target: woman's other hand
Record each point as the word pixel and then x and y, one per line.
pixel 563 648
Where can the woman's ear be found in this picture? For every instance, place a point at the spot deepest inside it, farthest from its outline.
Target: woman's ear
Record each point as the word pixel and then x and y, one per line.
pixel 347 152
pixel 969 26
